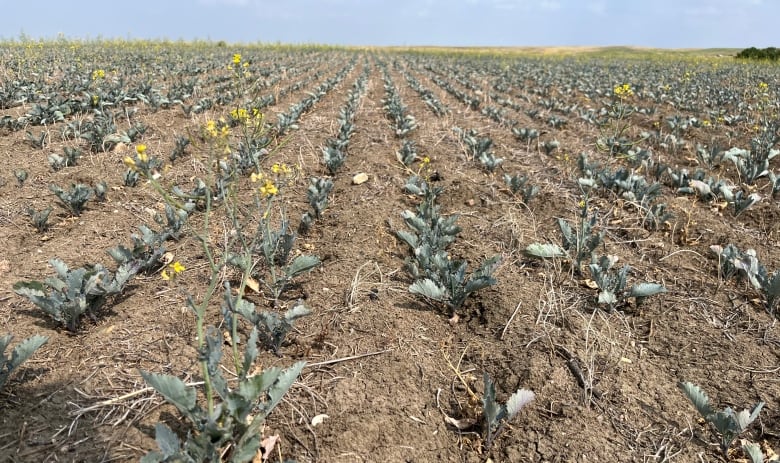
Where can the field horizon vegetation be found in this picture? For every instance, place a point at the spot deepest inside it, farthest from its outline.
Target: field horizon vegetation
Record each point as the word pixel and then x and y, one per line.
pixel 270 252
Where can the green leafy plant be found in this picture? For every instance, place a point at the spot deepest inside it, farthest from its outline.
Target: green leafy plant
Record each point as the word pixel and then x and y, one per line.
pixel 745 266
pixel 581 242
pixel 271 327
pixel 420 186
pixel 146 253
pixel 73 199
pixel 70 158
pixel 549 146
pixel 612 283
pixel 741 202
pixel 333 157
pixel 497 415
pixel 727 422
pixel 19 355
pixel 437 276
pixel 429 227
pixel 477 148
pixel 445 279
pixel 230 431
pixel 173 223
pixel 73 293
pixel 525 134
pixel 21 176
pixel 317 195
pixel 39 141
pixel 489 161
pixel 656 216
pixel 578 244
pixel 519 184
pixel 275 246
pixel 180 145
pixel 407 154
pixel 130 178
pixel 40 219
pixel 101 189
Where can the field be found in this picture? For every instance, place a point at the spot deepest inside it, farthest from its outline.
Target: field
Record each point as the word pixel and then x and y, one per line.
pixel 543 173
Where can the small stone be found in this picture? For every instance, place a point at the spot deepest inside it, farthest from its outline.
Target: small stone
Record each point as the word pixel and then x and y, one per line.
pixel 360 178
pixel 471 202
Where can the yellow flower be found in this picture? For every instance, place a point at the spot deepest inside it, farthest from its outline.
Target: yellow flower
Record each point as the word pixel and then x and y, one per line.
pixel 129 162
pixel 268 189
pixel 623 91
pixel 426 160
pixel 706 123
pixel 98 74
pixel 763 86
pixel 141 150
pixel 175 269
pixel 240 114
pixel 581 204
pixel 281 169
pixel 211 129
pixel 236 58
pixel 256 177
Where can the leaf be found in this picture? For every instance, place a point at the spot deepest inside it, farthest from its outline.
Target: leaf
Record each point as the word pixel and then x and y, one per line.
pixel 544 251
pixel 25 349
pixel 60 267
pixel 297 311
pixel 753 451
pixel 175 391
pixel 490 408
pixel 283 383
pixel 517 401
pixel 427 288
pixel 480 282
pixel 646 289
pixel 250 352
pixel 278 383
pixel 697 397
pixel 302 264
pixel 745 417
pixel 772 289
pixel 569 238
pixel 167 440
pixel 408 238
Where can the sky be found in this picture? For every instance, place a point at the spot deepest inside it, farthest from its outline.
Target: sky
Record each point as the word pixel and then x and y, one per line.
pixel 650 23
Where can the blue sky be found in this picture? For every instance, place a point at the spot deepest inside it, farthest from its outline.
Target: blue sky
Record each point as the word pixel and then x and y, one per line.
pixel 654 23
